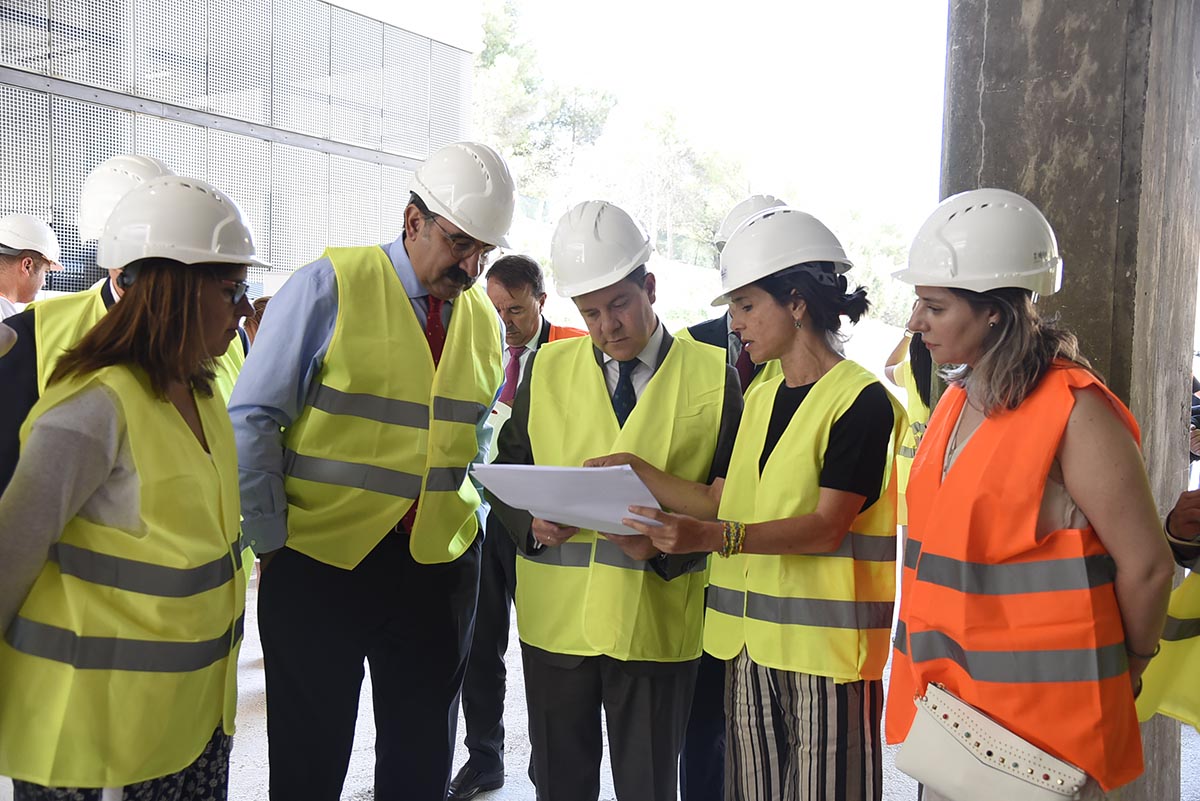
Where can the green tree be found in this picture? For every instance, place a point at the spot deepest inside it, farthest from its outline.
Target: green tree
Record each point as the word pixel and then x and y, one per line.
pixel 540 125
pixel 880 249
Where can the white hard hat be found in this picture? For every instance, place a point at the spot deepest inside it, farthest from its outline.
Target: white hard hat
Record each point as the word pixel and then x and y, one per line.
pixel 985 239
pixel 26 232
pixel 172 217
pixel 107 184
pixel 595 245
pixel 773 241
pixel 739 214
pixel 470 185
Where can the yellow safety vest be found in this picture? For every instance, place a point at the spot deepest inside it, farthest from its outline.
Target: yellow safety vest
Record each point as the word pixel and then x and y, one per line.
pixel 1169 685
pixel 918 417
pixel 384 428
pixel 59 324
pixel 586 597
pixel 827 614
pixel 123 658
pixel 770 370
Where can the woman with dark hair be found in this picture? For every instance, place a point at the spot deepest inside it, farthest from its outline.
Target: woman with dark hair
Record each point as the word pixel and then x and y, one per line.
pixel 803 524
pixel 121 599
pixel 1036 573
pixel 910 368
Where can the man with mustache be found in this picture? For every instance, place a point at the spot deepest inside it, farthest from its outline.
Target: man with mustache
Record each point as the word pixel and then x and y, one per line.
pixel 518 291
pixel 366 400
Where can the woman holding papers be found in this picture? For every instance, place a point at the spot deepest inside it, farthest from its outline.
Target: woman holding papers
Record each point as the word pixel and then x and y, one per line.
pixel 802 594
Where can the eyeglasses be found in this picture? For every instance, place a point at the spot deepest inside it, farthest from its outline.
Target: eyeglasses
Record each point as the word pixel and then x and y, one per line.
pixel 239 289
pixel 461 245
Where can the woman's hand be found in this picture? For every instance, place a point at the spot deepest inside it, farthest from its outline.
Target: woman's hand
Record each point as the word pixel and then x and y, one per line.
pixel 615 459
pixel 676 533
pixel 552 534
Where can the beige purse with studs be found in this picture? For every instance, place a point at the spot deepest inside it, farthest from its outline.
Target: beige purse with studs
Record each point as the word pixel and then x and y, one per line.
pixel 960 753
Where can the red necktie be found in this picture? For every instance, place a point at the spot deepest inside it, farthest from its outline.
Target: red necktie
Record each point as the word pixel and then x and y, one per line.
pixel 435 332
pixel 745 369
pixel 512 373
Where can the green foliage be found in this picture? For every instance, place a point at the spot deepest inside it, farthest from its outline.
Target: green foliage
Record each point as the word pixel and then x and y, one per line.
pixel 878 250
pixel 539 124
pixel 678 191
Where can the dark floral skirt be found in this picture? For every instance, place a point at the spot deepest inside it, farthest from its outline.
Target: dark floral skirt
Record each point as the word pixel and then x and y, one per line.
pixel 206 779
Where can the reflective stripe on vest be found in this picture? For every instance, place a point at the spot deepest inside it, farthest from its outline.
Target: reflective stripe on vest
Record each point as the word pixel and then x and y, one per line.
pixel 129 638
pixel 825 614
pixel 115 653
pixel 802 611
pixel 1025 667
pixel 1025 627
pixel 141 577
pixel 1052 575
pixel 569 554
pixel 1178 629
pixel 912 552
pixel 377 435
pixel 618 605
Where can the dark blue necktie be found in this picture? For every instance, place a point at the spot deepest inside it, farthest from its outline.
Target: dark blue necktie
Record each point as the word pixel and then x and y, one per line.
pixel 625 398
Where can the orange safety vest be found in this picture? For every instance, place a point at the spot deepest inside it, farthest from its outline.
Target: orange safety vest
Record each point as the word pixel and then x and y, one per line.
pixel 1026 629
pixel 558 332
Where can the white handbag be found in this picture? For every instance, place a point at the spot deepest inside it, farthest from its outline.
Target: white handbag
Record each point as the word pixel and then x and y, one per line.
pixel 960 753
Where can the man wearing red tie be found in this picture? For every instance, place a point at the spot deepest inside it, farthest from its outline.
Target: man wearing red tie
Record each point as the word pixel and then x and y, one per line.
pixel 517 290
pixel 366 400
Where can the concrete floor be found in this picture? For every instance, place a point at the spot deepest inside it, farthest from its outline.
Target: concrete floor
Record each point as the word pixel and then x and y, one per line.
pixel 248 768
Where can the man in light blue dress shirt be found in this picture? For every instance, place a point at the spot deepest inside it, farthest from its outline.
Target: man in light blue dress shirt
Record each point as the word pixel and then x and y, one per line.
pixel 410 621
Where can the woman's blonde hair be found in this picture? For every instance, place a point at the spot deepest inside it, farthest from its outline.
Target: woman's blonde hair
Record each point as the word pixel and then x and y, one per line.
pixel 1018 350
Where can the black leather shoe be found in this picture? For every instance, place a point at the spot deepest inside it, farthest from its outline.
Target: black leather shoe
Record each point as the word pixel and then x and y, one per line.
pixel 469 782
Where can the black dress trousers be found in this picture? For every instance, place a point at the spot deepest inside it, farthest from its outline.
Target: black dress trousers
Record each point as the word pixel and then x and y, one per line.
pixel 485 684
pixel 410 622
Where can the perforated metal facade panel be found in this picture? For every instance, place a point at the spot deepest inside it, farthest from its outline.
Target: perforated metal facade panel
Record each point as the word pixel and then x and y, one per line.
pixel 92 42
pixel 394 194
pixel 84 134
pixel 300 205
pixel 405 93
pixel 357 79
pixel 171 39
pixel 241 167
pixel 182 146
pixel 300 54
pixel 239 59
pixel 322 111
pixel 449 94
pixel 26 25
pixel 354 202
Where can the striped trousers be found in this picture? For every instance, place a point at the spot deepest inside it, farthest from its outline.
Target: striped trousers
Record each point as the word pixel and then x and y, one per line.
pixel 797 737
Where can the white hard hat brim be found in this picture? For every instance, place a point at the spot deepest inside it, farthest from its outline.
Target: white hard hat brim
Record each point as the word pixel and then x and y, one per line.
pixel 1044 281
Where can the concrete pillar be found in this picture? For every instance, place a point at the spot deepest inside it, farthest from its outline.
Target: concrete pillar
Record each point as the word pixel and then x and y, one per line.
pixel 1092 110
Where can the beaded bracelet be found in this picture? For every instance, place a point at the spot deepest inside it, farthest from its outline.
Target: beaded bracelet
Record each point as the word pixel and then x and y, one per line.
pixel 734 536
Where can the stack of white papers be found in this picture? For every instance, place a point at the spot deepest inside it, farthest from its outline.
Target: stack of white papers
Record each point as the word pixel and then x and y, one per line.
pixel 587 497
